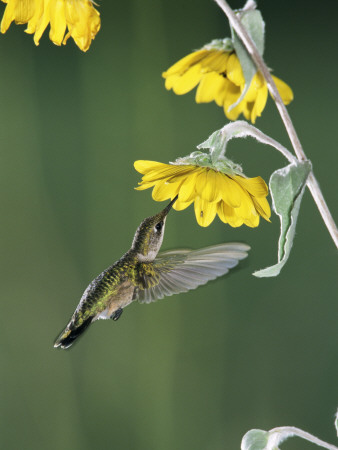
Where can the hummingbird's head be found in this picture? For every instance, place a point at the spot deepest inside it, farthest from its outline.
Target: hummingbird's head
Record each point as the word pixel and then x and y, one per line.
pixel 149 235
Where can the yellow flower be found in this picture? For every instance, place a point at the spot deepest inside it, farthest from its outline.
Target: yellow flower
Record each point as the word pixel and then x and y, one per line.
pixel 78 16
pixel 219 77
pixel 234 198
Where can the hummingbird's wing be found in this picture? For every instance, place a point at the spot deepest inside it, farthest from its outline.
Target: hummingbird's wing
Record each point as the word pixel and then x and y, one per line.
pixel 181 270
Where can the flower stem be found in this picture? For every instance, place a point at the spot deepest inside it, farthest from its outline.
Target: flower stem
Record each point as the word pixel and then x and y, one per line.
pixel 293 431
pixel 240 128
pixel 312 183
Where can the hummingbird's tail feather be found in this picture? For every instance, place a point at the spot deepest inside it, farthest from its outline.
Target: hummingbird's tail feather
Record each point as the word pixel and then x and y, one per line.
pixel 70 334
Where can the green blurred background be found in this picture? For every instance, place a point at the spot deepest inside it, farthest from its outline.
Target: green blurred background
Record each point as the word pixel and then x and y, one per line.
pixel 194 371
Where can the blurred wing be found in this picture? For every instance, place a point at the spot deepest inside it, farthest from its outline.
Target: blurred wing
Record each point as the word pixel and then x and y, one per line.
pixel 182 270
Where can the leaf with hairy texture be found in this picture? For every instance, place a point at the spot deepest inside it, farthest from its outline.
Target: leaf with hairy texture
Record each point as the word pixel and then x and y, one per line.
pixel 255 440
pixel 286 187
pixel 253 22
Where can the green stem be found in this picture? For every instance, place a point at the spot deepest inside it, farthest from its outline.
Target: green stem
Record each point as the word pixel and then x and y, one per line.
pixel 293 431
pixel 240 128
pixel 312 183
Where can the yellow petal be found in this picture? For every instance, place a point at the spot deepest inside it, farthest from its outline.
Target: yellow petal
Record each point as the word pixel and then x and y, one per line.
pixel 8 16
pixel 211 88
pixel 255 99
pixel 224 86
pixel 205 212
pixel 183 64
pixel 83 22
pixel 170 172
pixel 171 80
pixel 262 207
pixel 232 94
pixel 187 190
pixel 32 23
pixel 43 23
pixel 256 83
pixel 188 80
pixel 164 190
pixel 234 70
pixel 57 21
pixel 227 215
pixel 211 192
pixel 230 191
pixel 19 11
pixel 80 16
pixel 255 186
pixel 284 90
pixel 253 200
pixel 247 110
pixel 201 182
pixel 246 208
pixel 215 61
pixel 24 11
pixel 144 167
pixel 179 206
pixel 142 186
pixel 234 112
pixel 252 221
pixel 260 102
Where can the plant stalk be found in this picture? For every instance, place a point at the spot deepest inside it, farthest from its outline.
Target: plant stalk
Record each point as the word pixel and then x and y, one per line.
pixel 293 431
pixel 312 183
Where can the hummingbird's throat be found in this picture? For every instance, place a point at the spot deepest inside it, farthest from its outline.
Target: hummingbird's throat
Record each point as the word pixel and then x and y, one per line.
pixel 150 256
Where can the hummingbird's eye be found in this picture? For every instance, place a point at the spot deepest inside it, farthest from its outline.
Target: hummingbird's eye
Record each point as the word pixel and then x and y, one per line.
pixel 158 226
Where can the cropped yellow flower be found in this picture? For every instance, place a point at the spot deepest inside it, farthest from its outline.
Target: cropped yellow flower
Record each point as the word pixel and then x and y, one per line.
pixel 234 198
pixel 219 77
pixel 78 16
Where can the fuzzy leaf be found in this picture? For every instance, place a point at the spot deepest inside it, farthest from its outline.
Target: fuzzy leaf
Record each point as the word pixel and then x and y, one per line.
pixel 255 26
pixel 272 439
pixel 220 44
pixel 217 142
pixel 286 188
pixel 255 440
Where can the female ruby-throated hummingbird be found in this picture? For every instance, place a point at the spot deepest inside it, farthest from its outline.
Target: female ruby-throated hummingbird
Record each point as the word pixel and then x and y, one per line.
pixel 142 275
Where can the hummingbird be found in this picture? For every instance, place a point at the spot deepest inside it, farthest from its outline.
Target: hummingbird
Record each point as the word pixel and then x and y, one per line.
pixel 144 275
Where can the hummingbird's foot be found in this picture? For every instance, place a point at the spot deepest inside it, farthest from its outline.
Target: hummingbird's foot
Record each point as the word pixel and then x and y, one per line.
pixel 117 314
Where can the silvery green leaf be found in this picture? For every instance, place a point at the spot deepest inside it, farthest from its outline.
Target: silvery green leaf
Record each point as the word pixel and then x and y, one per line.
pixel 225 44
pixel 271 440
pixel 336 422
pixel 268 440
pixel 254 24
pixel 255 440
pixel 217 142
pixel 286 187
pixel 222 164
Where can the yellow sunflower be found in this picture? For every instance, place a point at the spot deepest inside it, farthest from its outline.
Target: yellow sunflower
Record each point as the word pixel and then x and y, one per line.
pixel 219 76
pixel 235 198
pixel 78 16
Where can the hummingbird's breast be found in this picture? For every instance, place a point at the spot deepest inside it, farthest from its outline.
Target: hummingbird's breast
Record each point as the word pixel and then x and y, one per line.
pixel 111 290
pixel 121 298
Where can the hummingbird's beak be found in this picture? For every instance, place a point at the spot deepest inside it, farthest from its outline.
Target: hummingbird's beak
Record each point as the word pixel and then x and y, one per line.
pixel 168 208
